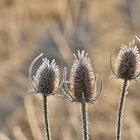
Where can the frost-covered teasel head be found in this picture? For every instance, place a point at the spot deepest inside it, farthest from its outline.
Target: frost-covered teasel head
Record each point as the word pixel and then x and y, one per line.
pixel 128 62
pixel 82 82
pixel 46 79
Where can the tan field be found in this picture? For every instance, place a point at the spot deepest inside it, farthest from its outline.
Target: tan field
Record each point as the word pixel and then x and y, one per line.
pixel 59 28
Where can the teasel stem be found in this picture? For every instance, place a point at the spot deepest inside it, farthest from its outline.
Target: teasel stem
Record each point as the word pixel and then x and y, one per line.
pixel 47 127
pixel 84 121
pixel 120 111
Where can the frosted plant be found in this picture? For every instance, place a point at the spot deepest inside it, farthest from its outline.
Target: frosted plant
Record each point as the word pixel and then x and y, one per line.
pixel 81 87
pixel 127 68
pixel 45 82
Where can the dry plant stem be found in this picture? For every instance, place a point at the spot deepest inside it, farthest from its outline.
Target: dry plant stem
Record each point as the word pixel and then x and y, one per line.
pixel 82 5
pixel 120 112
pixel 47 127
pixel 84 121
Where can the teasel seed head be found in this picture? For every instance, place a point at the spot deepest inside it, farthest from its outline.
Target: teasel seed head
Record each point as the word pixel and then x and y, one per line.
pixel 82 82
pixel 127 65
pixel 82 77
pixel 46 79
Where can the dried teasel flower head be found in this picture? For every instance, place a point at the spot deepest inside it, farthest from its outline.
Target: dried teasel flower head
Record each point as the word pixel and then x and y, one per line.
pixel 82 83
pixel 46 79
pixel 127 65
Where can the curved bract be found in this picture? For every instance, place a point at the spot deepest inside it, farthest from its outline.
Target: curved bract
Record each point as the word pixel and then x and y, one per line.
pixel 46 79
pixel 82 83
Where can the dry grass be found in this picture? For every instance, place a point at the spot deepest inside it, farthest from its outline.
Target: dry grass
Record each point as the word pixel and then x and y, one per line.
pixel 58 29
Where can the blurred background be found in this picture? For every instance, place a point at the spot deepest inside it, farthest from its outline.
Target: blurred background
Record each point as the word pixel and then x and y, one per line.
pixel 59 28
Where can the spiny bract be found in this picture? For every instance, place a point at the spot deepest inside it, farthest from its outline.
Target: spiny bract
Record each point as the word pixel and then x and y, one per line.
pixel 82 82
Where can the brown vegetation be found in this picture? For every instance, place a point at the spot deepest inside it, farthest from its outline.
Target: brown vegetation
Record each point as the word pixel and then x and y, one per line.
pixel 58 29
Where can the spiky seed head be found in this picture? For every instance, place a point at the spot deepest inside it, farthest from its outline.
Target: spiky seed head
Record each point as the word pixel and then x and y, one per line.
pixel 128 62
pixel 46 79
pixel 82 78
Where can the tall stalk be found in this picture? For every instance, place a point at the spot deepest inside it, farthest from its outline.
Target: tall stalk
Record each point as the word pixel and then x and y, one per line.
pixel 120 111
pixel 84 121
pixel 47 127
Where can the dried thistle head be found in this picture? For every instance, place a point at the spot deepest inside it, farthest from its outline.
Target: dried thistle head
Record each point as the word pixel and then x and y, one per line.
pixel 46 79
pixel 82 80
pixel 127 65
